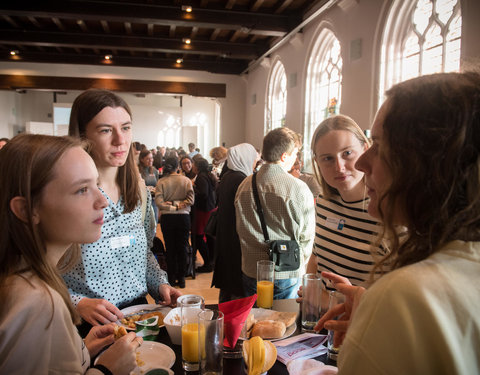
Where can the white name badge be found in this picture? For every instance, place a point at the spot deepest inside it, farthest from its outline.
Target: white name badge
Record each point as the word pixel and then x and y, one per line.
pixel 334 223
pixel 123 241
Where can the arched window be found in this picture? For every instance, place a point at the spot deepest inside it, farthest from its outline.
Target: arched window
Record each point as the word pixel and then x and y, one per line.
pixel 170 129
pixel 323 83
pixel 420 37
pixel 276 108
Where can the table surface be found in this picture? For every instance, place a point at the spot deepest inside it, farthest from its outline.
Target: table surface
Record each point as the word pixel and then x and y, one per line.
pixel 236 366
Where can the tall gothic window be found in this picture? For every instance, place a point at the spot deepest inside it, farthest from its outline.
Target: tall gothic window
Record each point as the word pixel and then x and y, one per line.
pixel 276 107
pixel 420 37
pixel 323 84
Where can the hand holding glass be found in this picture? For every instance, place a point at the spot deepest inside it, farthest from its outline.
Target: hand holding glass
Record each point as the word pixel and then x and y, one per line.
pixel 335 298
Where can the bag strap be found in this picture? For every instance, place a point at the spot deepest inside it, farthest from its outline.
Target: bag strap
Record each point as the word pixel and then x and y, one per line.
pixel 259 207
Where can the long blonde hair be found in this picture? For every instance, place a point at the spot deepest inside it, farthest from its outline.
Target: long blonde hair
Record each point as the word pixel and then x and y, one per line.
pixel 338 122
pixel 27 163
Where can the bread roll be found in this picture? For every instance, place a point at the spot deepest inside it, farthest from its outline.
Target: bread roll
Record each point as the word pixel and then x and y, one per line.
pixel 286 317
pixel 268 329
pixel 249 322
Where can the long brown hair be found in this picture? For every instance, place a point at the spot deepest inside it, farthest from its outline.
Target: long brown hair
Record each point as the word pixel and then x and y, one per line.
pixel 27 163
pixel 85 107
pixel 338 122
pixel 431 147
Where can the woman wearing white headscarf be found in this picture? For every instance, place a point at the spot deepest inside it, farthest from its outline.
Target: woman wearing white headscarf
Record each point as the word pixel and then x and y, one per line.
pixel 227 275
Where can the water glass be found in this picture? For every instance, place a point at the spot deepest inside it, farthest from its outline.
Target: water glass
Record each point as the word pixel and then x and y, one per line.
pixel 335 298
pixel 265 279
pixel 210 342
pixel 190 306
pixel 311 301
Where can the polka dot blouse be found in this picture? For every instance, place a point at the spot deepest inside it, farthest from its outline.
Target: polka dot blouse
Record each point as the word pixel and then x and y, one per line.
pixel 119 267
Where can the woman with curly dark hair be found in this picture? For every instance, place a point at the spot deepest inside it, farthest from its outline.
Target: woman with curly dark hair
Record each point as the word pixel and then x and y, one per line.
pixel 423 175
pixel 186 165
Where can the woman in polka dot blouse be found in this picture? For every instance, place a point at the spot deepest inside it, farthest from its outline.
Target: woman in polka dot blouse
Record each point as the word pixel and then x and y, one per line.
pixel 119 269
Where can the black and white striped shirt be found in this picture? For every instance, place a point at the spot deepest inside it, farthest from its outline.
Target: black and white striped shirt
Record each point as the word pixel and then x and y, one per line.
pixel 343 238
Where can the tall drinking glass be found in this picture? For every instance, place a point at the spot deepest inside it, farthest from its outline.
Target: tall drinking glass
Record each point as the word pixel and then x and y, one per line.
pixel 311 301
pixel 265 279
pixel 190 306
pixel 335 298
pixel 210 342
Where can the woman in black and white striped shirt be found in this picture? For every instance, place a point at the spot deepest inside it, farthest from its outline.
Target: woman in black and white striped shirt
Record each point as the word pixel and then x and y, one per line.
pixel 345 231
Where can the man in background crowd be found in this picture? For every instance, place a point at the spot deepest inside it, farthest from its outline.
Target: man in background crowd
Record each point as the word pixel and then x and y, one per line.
pixel 288 209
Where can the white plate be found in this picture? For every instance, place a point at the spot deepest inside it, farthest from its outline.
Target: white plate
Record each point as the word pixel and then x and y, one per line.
pixel 133 309
pixel 260 314
pixel 155 355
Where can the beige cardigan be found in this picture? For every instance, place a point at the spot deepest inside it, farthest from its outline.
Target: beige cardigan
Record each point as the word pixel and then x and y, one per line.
pixel 172 190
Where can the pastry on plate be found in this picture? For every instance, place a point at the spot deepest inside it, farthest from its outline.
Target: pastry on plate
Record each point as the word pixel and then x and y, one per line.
pixel 268 329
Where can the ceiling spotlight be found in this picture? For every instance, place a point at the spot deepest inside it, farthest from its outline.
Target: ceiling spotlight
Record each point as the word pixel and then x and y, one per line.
pixel 187 40
pixel 14 52
pixel 179 61
pixel 108 57
pixel 187 8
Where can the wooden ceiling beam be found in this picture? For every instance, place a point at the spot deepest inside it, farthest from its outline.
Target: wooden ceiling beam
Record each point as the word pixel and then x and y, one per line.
pixel 10 20
pixel 23 82
pixel 58 23
pixel 171 31
pixel 133 43
pixel 283 6
pixel 264 23
pixel 82 26
pixel 215 34
pixel 230 4
pixel 34 22
pixel 128 27
pixel 105 26
pixel 220 66
pixel 256 5
pixel 194 32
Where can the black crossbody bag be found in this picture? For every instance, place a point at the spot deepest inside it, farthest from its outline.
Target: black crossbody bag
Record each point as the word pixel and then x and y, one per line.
pixel 284 253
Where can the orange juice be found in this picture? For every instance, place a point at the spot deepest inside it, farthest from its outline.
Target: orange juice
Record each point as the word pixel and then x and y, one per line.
pixel 265 294
pixel 190 342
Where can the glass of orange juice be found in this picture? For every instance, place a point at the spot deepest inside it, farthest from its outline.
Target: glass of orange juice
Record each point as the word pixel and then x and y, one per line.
pixel 265 279
pixel 190 307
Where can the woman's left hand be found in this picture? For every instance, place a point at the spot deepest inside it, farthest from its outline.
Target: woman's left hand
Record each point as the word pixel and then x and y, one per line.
pixel 98 338
pixel 169 295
